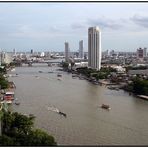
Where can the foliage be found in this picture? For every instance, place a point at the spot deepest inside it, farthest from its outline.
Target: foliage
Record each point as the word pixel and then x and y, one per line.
pixel 12 64
pixel 102 74
pixel 4 64
pixel 15 122
pixel 4 83
pixel 86 71
pixel 2 70
pixel 6 141
pixel 108 69
pixel 18 130
pixel 65 65
pixel 136 68
pixel 39 138
pixel 138 86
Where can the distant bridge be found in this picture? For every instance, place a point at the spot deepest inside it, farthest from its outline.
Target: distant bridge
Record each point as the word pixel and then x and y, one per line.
pixel 30 63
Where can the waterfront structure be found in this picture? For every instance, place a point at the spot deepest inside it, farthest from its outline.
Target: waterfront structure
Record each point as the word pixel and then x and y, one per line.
pixel 94 48
pixel 81 49
pixel 67 51
pixel 42 54
pixel 5 58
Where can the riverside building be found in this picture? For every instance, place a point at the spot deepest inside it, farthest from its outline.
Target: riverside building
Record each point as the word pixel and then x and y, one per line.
pixel 67 51
pixel 94 48
pixel 81 49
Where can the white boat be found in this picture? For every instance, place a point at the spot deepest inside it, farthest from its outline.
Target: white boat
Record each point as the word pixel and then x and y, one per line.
pixel 6 101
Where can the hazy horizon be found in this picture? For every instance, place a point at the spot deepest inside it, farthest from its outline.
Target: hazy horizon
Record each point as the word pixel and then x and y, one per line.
pixel 46 26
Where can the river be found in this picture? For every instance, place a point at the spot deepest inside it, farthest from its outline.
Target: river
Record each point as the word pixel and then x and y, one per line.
pixel 86 124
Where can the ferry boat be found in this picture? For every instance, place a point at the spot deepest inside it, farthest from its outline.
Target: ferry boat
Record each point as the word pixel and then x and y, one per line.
pixel 74 75
pixel 9 96
pixel 59 75
pixel 59 79
pixel 17 103
pixel 104 106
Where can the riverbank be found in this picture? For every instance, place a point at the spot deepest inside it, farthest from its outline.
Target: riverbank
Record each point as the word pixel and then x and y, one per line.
pixel 113 86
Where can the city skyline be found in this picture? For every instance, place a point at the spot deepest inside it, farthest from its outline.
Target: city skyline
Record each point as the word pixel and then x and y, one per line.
pixel 46 26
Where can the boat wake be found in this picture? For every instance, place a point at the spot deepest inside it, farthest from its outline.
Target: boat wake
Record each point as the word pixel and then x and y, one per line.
pixel 54 109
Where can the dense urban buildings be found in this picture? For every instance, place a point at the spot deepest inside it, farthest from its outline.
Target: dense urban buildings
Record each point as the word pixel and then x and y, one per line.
pixel 81 49
pixel 94 48
pixel 67 50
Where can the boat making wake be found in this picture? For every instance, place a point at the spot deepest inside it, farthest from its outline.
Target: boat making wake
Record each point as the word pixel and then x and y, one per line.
pixel 54 109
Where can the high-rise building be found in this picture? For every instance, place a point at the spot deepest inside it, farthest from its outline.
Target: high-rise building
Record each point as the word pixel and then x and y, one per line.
pixel 141 53
pixel 94 48
pixel 145 52
pixel 67 51
pixel 31 51
pixel 14 51
pixel 81 49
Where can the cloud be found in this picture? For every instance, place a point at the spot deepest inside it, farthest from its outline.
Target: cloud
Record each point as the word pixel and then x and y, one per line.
pixel 105 23
pixel 78 26
pixel 54 29
pixel 140 20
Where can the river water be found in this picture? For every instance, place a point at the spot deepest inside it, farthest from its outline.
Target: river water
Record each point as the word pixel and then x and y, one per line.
pixel 86 123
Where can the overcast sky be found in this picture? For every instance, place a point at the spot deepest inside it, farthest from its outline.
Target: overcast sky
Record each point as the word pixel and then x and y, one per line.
pixel 46 26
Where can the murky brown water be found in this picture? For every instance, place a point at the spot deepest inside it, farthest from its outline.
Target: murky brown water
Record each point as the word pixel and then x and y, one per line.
pixel 86 124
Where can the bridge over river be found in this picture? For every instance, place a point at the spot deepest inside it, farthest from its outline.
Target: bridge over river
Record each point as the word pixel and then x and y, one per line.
pixel 49 62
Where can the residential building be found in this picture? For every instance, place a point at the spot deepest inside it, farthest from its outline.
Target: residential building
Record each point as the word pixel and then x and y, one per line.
pixel 94 48
pixel 141 53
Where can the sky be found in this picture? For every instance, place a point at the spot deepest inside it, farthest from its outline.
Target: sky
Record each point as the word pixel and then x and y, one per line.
pixel 46 26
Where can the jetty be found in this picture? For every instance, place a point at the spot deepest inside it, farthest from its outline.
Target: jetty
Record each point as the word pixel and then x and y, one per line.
pixel 143 97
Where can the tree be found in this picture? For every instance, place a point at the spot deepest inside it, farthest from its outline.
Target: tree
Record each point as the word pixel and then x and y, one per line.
pixel 6 141
pixel 4 83
pixel 40 138
pixel 18 130
pixel 65 65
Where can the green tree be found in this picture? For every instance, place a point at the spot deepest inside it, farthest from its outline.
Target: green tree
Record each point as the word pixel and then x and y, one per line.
pixel 39 138
pixel 18 130
pixel 4 83
pixel 65 65
pixel 6 141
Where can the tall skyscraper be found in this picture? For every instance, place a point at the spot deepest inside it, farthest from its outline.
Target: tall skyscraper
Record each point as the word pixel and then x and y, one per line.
pixel 31 51
pixel 141 53
pixel 14 51
pixel 81 49
pixel 67 51
pixel 94 48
